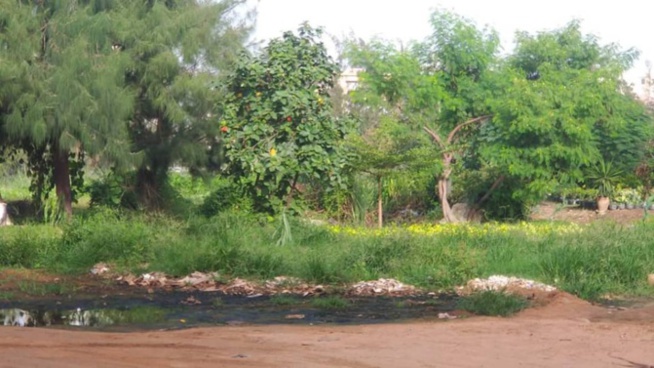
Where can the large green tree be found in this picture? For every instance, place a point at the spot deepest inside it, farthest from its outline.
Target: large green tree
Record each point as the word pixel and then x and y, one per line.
pixel 278 126
pixel 513 128
pixel 564 107
pixel 61 90
pixel 441 86
pixel 177 51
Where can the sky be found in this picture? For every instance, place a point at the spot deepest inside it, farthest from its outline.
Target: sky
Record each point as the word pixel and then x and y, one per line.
pixel 626 22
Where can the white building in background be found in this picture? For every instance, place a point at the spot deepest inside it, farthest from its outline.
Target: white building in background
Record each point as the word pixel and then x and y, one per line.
pixel 349 79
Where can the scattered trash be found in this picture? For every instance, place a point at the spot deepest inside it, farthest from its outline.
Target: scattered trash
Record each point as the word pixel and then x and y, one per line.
pixel 100 268
pixel 382 287
pixel 191 301
pixel 445 316
pixel 294 316
pixel 498 282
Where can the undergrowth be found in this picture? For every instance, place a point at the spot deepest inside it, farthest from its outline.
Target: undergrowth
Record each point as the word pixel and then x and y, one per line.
pixel 590 261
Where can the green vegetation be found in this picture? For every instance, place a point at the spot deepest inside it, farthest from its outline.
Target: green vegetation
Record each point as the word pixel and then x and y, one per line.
pixel 330 302
pixel 183 150
pixel 493 303
pixel 589 261
pixel 35 288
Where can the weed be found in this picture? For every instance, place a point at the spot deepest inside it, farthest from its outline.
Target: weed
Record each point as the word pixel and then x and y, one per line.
pixel 331 302
pixel 589 261
pixel 493 303
pixel 35 288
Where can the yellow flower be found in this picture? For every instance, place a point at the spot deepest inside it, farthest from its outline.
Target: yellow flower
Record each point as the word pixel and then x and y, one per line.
pixel 273 152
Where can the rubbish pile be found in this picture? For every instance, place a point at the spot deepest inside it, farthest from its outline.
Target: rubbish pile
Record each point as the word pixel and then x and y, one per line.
pixel 503 283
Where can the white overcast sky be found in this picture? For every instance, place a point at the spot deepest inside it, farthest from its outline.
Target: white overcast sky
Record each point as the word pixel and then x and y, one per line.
pixel 626 22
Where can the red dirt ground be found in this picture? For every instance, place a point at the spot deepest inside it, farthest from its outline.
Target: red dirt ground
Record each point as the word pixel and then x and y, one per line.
pixel 563 332
pixel 567 332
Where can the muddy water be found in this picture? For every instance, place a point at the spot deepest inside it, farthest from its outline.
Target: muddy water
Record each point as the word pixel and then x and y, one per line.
pixel 182 310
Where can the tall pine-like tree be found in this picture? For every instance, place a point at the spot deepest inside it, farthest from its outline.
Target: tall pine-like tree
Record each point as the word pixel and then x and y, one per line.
pixel 62 88
pixel 177 51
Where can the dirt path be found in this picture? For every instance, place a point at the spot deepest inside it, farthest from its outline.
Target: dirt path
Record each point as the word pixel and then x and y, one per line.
pixel 566 333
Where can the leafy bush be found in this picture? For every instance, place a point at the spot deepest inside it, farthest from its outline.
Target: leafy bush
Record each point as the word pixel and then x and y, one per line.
pixel 30 246
pixel 228 196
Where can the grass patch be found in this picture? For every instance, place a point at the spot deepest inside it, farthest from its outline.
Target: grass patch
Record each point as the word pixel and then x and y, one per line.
pixel 331 302
pixel 589 261
pixel 35 288
pixel 493 303
pixel 7 295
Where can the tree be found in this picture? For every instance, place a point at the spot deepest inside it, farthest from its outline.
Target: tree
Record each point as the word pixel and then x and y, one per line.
pixel 278 127
pixel 386 144
pixel 61 88
pixel 440 85
pixel 563 108
pixel 178 51
pixel 387 149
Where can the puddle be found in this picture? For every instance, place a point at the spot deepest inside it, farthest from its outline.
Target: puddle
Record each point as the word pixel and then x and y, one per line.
pixel 183 310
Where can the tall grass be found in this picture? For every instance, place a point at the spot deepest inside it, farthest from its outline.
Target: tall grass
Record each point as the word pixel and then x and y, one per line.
pixel 592 262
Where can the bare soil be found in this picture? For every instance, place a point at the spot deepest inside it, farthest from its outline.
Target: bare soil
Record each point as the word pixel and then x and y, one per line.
pixel 576 214
pixel 567 332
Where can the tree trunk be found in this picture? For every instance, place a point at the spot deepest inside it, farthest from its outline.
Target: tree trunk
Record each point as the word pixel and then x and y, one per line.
pixel 443 188
pixel 148 188
pixel 61 175
pixel 289 196
pixel 380 205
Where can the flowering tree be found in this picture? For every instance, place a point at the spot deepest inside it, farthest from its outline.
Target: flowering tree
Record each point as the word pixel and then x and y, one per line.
pixel 278 125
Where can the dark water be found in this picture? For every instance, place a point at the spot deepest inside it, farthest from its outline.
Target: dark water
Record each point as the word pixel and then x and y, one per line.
pixel 182 310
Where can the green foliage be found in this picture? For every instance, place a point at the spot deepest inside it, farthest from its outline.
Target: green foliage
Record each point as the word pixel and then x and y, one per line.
pixel 363 195
pixel 493 303
pixel 603 176
pixel 227 197
pixel 62 92
pixel 112 190
pixel 560 89
pixel 330 302
pixel 177 51
pixel 30 246
pixel 278 127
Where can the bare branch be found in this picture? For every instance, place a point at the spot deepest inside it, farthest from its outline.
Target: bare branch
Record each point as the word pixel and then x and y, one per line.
pixel 496 184
pixel 436 137
pixel 450 137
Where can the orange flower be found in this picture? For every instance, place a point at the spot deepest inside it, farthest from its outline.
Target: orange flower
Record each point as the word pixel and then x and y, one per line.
pixel 224 129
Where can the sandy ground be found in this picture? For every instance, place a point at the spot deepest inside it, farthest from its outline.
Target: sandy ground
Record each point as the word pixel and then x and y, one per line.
pixel 566 333
pixel 554 211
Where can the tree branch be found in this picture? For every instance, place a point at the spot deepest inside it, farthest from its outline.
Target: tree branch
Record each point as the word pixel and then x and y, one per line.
pixel 436 137
pixel 450 137
pixel 490 191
